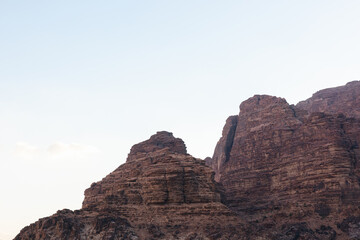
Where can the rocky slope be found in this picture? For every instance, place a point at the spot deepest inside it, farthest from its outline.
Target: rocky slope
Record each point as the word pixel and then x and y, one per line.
pixel 292 172
pixel 161 192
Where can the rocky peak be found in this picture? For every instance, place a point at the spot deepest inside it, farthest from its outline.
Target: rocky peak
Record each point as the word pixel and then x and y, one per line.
pixel 161 192
pixel 289 174
pixel 260 113
pixel 288 166
pixel 261 102
pixel 261 110
pixel 158 141
pixel 158 171
pixel 344 99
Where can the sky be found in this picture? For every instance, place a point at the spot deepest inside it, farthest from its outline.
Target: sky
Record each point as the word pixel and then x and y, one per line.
pixel 82 81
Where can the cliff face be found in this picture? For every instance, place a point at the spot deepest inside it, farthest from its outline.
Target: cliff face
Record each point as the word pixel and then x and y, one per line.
pixel 224 146
pixel 161 192
pixel 282 172
pixel 343 99
pixel 162 173
pixel 286 166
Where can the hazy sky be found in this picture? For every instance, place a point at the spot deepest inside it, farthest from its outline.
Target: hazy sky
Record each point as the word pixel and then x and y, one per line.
pixel 82 81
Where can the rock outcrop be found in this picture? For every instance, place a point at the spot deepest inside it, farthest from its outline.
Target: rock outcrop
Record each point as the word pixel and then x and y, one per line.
pixel 286 170
pixel 224 146
pixel 279 171
pixel 161 192
pixel 156 142
pixel 343 99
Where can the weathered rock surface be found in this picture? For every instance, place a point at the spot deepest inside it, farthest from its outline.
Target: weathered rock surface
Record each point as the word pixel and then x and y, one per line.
pixel 343 99
pixel 161 192
pixel 223 148
pixel 282 172
pixel 157 142
pixel 289 172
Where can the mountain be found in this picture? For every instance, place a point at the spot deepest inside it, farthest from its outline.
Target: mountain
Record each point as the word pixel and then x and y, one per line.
pixel 343 99
pixel 161 192
pixel 279 171
pixel 293 169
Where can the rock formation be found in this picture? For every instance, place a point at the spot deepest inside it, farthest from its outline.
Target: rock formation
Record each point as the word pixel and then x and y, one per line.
pixel 223 148
pixel 286 170
pixel 161 192
pixel 282 172
pixel 343 99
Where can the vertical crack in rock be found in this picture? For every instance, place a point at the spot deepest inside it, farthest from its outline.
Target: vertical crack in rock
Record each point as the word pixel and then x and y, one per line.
pixel 224 146
pixel 230 140
pixel 293 110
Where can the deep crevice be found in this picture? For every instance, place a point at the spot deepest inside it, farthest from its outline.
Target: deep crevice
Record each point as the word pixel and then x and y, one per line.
pixel 230 139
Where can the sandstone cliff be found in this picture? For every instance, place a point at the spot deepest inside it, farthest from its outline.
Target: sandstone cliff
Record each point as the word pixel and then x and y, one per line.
pixel 343 99
pixel 161 192
pixel 282 172
pixel 288 171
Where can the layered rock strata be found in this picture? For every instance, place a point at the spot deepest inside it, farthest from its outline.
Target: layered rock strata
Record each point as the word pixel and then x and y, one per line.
pixel 343 99
pixel 161 192
pixel 282 166
pixel 289 172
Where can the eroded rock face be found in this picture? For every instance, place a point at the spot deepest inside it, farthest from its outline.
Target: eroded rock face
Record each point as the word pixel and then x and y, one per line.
pixel 224 146
pixel 156 142
pixel 343 99
pixel 161 192
pixel 289 172
pixel 159 176
pixel 66 224
pixel 287 167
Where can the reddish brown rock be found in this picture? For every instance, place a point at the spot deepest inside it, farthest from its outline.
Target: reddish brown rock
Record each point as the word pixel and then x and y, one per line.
pixel 290 172
pixel 66 224
pixel 223 147
pixel 161 192
pixel 285 167
pixel 208 161
pixel 156 142
pixel 158 171
pixel 343 99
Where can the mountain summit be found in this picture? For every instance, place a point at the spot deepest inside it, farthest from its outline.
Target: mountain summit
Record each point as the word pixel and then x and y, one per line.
pixel 161 192
pixel 279 171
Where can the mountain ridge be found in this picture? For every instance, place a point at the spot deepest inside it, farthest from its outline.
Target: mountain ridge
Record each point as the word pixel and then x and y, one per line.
pixel 279 171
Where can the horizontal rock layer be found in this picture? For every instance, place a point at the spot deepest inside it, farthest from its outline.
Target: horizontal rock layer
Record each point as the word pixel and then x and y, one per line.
pixel 283 171
pixel 158 141
pixel 159 193
pixel 343 99
pixel 287 166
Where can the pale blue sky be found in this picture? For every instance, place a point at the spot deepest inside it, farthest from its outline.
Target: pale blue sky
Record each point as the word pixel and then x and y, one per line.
pixel 82 81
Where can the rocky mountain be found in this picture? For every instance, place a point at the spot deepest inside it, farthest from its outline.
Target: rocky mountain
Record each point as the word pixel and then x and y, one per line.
pixel 279 171
pixel 161 192
pixel 285 165
pixel 343 99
